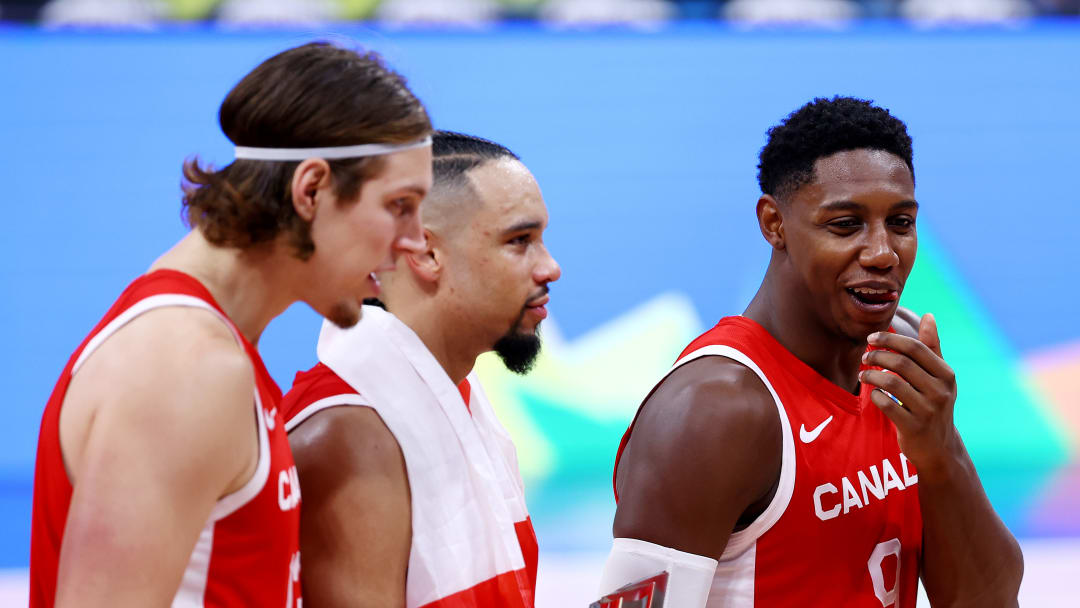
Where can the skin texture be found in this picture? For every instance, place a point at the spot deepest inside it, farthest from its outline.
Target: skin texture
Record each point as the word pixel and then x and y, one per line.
pixel 969 558
pixel 484 264
pixel 359 237
pixel 853 225
pixel 350 464
pixel 141 496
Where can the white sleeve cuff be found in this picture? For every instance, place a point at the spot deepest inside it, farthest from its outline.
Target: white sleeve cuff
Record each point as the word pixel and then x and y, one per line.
pixel 689 576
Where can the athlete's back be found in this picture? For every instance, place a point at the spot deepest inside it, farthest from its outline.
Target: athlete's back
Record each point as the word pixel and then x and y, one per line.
pixel 843 525
pixel 247 551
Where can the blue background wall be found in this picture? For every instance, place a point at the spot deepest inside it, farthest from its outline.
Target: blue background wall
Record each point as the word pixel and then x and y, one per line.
pixel 645 146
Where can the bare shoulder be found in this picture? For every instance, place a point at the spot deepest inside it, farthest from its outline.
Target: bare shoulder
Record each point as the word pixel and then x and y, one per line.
pixel 906 322
pixel 185 356
pixel 706 446
pixel 171 368
pixel 349 462
pixel 172 339
pixel 342 442
pixel 705 399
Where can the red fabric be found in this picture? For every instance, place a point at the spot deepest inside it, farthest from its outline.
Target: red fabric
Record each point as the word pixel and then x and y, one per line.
pixel 510 589
pixel 310 386
pixel 823 548
pixel 531 552
pixel 501 591
pixel 466 392
pixel 515 589
pixel 254 548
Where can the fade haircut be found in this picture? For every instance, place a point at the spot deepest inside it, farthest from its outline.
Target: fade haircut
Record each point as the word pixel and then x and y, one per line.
pixel 315 95
pixel 455 154
pixel 821 128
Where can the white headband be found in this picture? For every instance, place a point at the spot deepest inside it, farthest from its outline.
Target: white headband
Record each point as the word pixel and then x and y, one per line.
pixel 244 152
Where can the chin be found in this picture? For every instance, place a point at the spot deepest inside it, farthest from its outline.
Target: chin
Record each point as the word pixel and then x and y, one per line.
pixel 344 314
pixel 858 331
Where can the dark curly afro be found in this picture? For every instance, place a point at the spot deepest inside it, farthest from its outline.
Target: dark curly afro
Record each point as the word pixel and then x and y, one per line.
pixel 821 128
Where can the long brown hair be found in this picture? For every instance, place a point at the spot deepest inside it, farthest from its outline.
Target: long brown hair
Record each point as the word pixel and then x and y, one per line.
pixel 315 95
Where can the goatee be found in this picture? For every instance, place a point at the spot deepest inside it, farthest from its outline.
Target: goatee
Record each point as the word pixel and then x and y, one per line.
pixel 518 350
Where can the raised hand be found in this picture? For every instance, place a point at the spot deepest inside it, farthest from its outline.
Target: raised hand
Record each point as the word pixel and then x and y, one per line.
pixel 924 387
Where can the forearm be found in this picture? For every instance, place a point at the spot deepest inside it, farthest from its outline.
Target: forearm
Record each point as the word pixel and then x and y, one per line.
pixel 969 557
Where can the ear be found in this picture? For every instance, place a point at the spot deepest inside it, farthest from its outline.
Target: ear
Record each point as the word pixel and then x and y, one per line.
pixel 310 176
pixel 771 221
pixel 428 263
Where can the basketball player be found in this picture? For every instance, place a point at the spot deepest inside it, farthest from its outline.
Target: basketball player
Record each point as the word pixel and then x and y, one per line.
pixel 804 454
pixel 163 473
pixel 414 497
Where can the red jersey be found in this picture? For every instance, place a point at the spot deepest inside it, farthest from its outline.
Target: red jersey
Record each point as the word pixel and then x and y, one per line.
pixel 320 388
pixel 844 528
pixel 248 553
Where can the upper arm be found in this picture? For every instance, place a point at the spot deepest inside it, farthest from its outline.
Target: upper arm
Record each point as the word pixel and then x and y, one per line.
pixel 152 442
pixel 356 520
pixel 706 446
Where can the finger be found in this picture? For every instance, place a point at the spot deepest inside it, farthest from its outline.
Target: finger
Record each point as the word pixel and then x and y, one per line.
pixel 900 417
pixel 919 352
pixel 910 399
pixel 903 366
pixel 928 334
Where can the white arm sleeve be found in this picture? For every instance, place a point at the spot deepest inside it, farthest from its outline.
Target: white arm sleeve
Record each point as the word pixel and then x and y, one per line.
pixel 689 576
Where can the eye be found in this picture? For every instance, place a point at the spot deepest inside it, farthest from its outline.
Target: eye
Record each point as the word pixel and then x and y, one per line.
pixel 844 225
pixel 402 206
pixel 902 222
pixel 520 240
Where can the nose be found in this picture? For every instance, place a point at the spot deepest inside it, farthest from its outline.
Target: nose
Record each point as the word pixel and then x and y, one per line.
pixel 548 270
pixel 878 251
pixel 410 238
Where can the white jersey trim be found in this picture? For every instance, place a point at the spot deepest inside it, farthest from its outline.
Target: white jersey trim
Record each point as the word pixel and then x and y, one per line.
pixel 326 403
pixel 733 581
pixel 227 505
pixel 140 307
pixel 746 538
pixel 192 591
pixel 198 564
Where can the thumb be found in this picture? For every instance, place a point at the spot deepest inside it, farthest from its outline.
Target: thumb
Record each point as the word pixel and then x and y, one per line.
pixel 928 333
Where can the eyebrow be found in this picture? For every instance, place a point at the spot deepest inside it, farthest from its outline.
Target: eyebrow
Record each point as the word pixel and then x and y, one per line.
pixel 853 206
pixel 523 226
pixel 418 190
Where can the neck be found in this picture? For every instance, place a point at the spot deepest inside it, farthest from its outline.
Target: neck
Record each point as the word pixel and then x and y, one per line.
pixel 442 335
pixel 251 286
pixel 783 313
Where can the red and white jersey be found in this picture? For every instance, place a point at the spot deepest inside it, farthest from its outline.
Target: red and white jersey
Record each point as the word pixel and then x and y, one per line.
pixel 844 527
pixel 473 543
pixel 248 554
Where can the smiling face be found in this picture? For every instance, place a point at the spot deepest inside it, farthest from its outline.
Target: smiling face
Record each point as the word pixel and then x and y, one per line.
pixel 497 268
pixel 355 238
pixel 850 240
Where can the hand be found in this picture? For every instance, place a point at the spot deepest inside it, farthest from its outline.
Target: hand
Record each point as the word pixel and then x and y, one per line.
pixel 925 387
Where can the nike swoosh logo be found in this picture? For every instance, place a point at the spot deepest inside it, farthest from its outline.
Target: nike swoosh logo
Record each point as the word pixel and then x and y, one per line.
pixel 270 418
pixel 808 436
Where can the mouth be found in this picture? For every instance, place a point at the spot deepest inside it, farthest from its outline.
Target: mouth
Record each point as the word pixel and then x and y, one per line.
pixel 538 307
pixel 873 299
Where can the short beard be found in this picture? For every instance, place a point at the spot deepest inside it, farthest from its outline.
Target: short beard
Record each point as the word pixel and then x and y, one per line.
pixel 343 316
pixel 518 350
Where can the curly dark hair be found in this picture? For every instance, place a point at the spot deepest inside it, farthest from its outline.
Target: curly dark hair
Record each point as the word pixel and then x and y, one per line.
pixel 821 128
pixel 310 96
